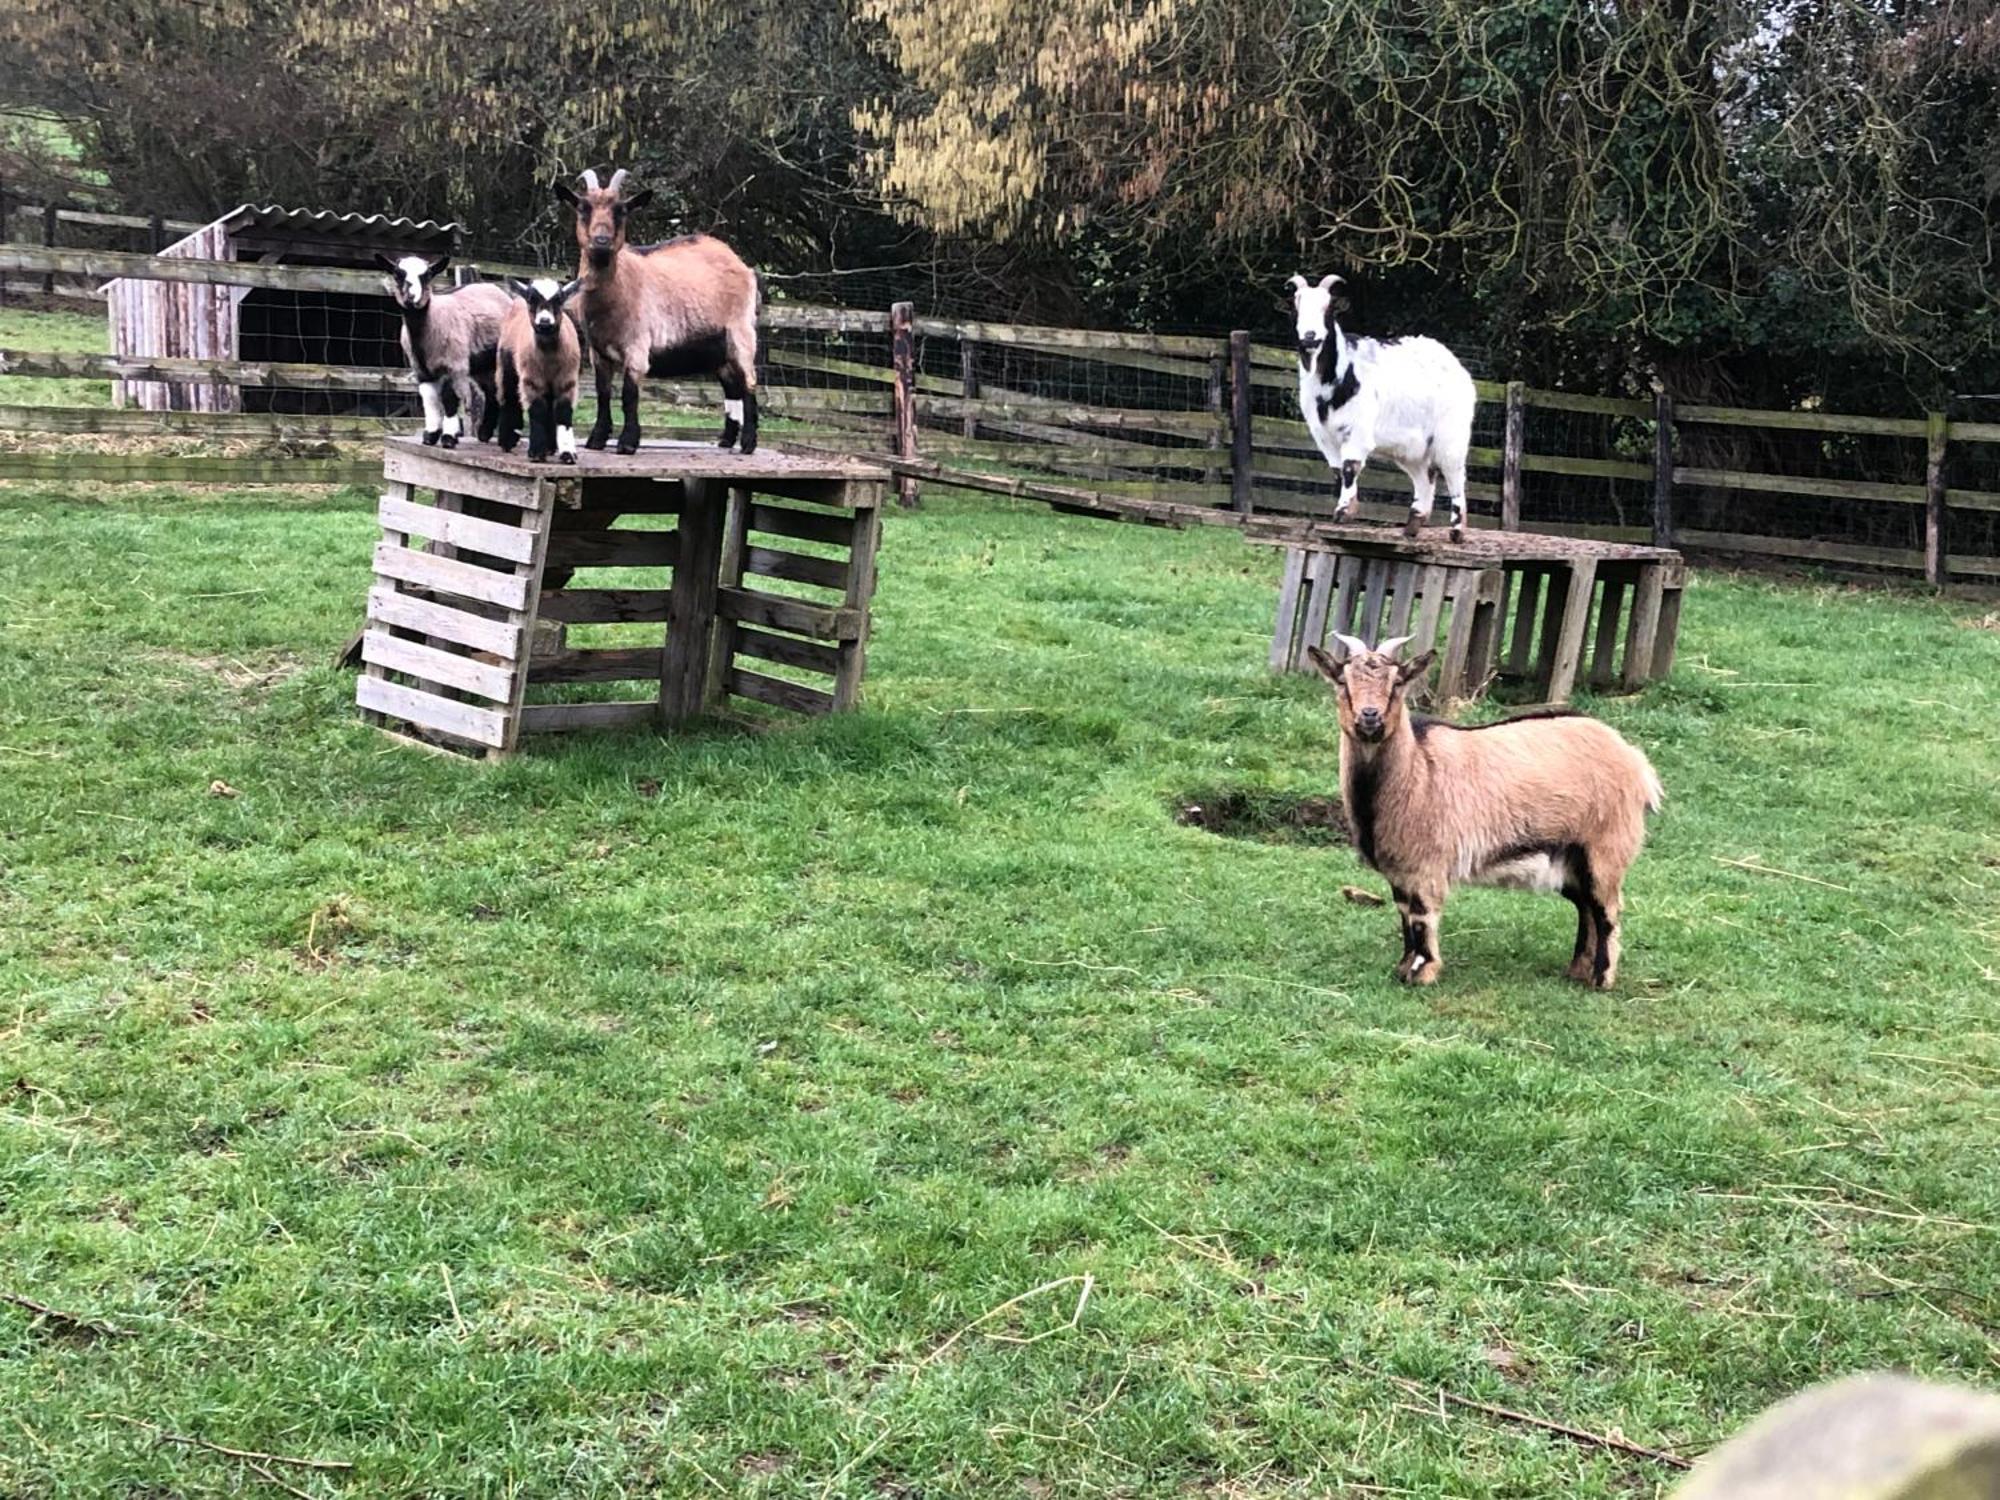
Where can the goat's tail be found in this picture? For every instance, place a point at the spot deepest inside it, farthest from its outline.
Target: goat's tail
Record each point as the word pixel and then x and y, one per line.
pixel 1656 794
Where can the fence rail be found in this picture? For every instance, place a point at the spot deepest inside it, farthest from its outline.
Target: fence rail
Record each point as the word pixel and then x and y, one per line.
pixel 1159 427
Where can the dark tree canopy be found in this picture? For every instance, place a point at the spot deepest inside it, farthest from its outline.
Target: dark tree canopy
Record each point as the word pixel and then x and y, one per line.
pixel 1766 200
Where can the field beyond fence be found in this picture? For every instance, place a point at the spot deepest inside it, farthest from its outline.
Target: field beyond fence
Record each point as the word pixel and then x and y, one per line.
pixel 1176 429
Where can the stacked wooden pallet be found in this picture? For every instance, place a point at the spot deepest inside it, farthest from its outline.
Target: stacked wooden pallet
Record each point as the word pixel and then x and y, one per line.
pixel 475 587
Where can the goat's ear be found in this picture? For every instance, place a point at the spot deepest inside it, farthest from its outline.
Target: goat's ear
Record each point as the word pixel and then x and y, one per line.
pixel 1296 285
pixel 436 266
pixel 1324 664
pixel 638 200
pixel 519 288
pixel 1415 667
pixel 568 292
pixel 565 194
pixel 385 263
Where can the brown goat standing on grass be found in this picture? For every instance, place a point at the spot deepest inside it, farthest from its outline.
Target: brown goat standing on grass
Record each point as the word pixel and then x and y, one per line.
pixel 1547 801
pixel 540 359
pixel 687 306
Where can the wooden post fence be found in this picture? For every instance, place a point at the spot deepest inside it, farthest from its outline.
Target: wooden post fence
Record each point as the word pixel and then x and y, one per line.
pixel 49 243
pixel 903 356
pixel 1241 457
pixel 1663 469
pixel 1510 455
pixel 1937 563
pixel 968 380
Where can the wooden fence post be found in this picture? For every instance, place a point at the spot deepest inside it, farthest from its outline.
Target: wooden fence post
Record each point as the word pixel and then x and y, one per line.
pixel 1240 456
pixel 49 211
pixel 903 356
pixel 156 231
pixel 6 232
pixel 1937 563
pixel 1510 455
pixel 968 379
pixel 1218 387
pixel 1663 469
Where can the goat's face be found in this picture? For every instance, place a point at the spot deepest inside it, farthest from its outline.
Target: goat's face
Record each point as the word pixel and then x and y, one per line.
pixel 600 215
pixel 410 278
pixel 545 305
pixel 1369 687
pixel 1315 307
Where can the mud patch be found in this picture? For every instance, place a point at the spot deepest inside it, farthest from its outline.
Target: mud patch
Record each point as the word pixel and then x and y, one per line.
pixel 1266 817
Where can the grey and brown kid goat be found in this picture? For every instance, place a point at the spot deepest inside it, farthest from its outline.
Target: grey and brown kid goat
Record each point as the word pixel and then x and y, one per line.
pixel 451 340
pixel 1545 801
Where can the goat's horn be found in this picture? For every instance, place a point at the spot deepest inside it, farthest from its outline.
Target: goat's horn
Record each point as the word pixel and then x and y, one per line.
pixel 1390 645
pixel 590 178
pixel 617 179
pixel 1352 645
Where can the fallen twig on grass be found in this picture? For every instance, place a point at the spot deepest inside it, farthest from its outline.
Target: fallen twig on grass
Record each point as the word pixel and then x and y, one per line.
pixel 269 1478
pixel 1576 1434
pixel 1756 869
pixel 1852 1208
pixel 248 1455
pixel 1076 1316
pixel 1358 897
pixel 74 1321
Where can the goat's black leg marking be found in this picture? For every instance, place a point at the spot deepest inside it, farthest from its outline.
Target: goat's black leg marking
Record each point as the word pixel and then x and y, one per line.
pixel 565 434
pixel 600 431
pixel 628 439
pixel 732 392
pixel 541 429
pixel 1604 916
pixel 1350 479
pixel 509 406
pixel 489 411
pixel 448 399
pixel 748 442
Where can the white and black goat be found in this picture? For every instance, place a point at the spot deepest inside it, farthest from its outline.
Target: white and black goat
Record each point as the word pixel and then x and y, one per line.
pixel 451 340
pixel 540 359
pixel 1408 399
pixel 1545 801
pixel 687 306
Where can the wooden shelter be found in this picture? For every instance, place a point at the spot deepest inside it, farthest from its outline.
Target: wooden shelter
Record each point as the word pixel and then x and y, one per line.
pixel 187 320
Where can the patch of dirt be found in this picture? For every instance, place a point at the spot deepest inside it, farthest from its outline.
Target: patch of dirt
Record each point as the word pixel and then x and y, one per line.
pixel 1266 817
pixel 1984 622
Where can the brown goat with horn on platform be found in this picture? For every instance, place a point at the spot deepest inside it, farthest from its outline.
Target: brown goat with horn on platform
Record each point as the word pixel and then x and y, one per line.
pixel 1546 801
pixel 686 306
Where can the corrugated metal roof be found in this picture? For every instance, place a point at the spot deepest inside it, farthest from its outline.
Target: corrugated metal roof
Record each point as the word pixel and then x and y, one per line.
pixel 324 224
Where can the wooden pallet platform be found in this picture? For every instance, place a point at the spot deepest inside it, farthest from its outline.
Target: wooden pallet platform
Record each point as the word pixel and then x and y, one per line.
pixel 1511 604
pixel 477 582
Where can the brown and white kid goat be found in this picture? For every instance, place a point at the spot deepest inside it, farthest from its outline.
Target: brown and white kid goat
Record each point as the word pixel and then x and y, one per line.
pixel 1546 801
pixel 687 306
pixel 540 357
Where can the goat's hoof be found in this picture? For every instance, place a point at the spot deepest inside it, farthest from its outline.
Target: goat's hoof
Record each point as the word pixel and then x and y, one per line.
pixel 1458 533
pixel 1412 526
pixel 1604 981
pixel 747 447
pixel 537 458
pixel 628 445
pixel 597 440
pixel 431 438
pixel 1582 970
pixel 449 440
pixel 1424 972
pixel 565 458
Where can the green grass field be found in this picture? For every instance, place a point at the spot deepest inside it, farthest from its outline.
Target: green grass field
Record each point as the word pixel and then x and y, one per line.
pixel 744 1113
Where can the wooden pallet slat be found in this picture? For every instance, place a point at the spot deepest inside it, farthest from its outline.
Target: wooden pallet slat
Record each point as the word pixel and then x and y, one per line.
pixel 777 692
pixel 444 668
pixel 480 726
pixel 389 606
pixel 448 576
pixel 515 543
